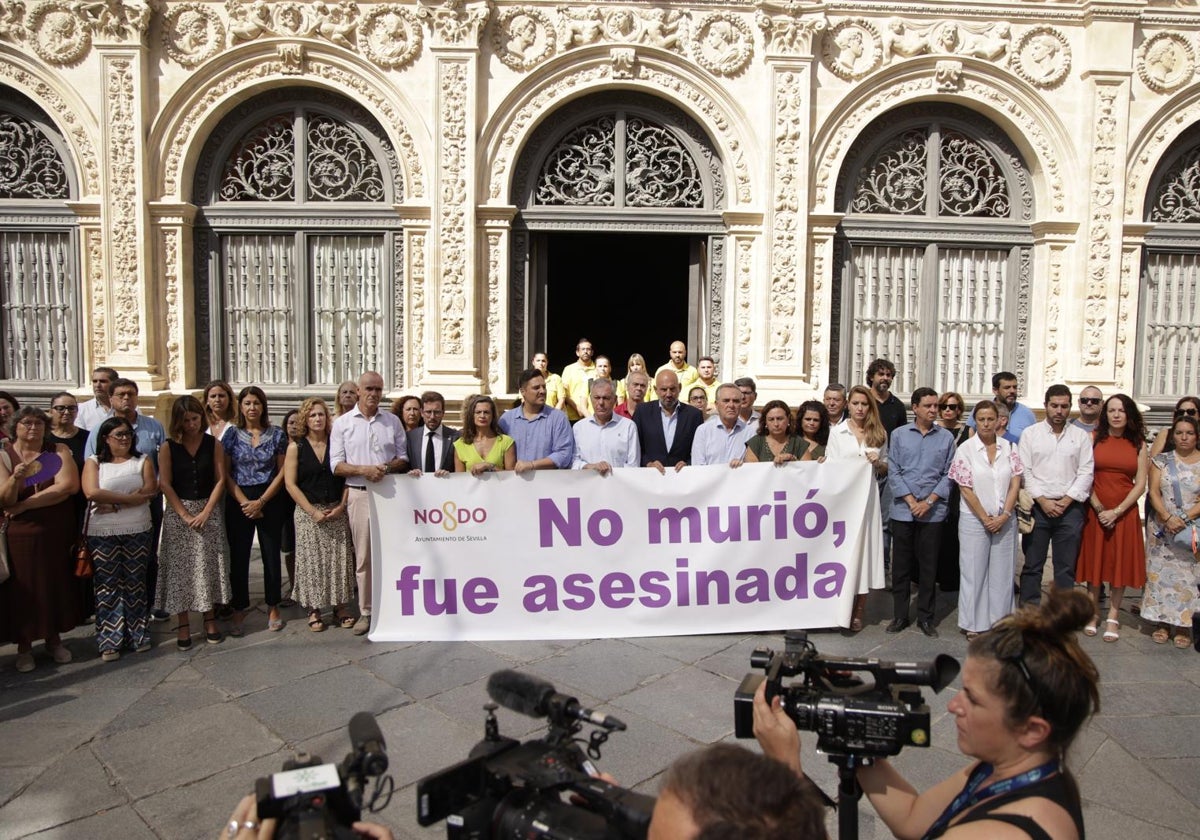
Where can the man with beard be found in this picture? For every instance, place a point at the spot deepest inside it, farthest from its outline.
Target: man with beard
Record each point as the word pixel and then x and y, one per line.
pixel 880 374
pixel 1091 399
pixel 541 434
pixel 678 365
pixel 575 379
pixel 1020 418
pixel 95 411
pixel 666 427
pixel 1058 474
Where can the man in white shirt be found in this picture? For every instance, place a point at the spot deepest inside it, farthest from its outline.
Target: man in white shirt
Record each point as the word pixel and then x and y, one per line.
pixel 722 441
pixel 431 445
pixel 95 411
pixel 605 440
pixel 1058 463
pixel 365 445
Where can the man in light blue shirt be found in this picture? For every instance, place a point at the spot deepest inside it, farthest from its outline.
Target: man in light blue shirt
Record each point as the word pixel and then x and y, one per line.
pixel 604 440
pixel 722 441
pixel 542 434
pixel 1020 417
pixel 919 458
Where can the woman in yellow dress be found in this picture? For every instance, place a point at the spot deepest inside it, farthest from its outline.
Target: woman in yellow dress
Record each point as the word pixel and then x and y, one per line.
pixel 482 446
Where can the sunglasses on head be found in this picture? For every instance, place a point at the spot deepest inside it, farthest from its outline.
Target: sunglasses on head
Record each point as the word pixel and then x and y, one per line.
pixel 1180 412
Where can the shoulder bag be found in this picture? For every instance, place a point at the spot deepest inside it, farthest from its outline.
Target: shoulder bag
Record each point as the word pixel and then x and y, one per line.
pixel 81 552
pixel 1188 537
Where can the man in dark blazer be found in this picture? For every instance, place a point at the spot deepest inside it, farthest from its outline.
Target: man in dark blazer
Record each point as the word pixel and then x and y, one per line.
pixel 655 419
pixel 432 433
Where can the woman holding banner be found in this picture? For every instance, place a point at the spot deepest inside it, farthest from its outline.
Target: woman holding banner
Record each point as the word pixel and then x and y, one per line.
pixel 483 447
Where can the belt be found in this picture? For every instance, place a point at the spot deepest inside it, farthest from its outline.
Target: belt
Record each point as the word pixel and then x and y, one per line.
pixel 355 487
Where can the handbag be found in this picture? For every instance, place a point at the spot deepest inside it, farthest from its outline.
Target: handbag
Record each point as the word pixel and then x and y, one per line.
pixel 1024 511
pixel 81 552
pixel 1188 537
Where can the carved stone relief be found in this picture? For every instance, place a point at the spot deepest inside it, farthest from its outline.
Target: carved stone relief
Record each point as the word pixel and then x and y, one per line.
pixel 98 285
pixel 947 75
pixel 1053 296
pixel 1042 57
pixel 250 19
pixel 852 49
pixel 192 34
pixel 59 36
pixel 624 62
pixel 1147 156
pixel 419 276
pixel 723 45
pixel 523 37
pixel 497 335
pixel 789 162
pixel 399 322
pixel 171 282
pixel 663 28
pixel 455 23
pixel 61 32
pixel 987 41
pixel 1166 61
pixel 452 300
pixel 390 36
pixel 789 34
pixel 1100 224
pixel 122 193
pixel 743 297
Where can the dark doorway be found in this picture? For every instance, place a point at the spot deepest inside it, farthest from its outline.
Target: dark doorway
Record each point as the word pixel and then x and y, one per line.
pixel 627 292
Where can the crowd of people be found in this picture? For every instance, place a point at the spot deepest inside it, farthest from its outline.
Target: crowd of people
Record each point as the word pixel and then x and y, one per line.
pixel 170 514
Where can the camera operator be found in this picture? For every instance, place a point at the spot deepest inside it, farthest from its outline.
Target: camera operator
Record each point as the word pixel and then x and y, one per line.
pixel 1027 689
pixel 244 825
pixel 725 791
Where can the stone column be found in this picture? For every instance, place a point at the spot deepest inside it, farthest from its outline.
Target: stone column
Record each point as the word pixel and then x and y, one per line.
pixel 782 351
pixel 132 334
pixel 172 253
pixel 452 303
pixel 495 247
pixel 1053 244
pixel 822 230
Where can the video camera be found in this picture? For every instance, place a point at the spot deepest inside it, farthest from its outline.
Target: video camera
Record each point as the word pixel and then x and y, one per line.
pixel 317 801
pixel 512 789
pixel 850 718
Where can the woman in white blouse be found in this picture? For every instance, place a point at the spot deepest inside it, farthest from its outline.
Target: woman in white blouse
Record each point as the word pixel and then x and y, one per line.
pixel 862 435
pixel 988 472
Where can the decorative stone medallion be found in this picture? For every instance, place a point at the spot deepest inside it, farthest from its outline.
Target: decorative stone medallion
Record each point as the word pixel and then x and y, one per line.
pixel 722 44
pixel 1042 57
pixel 1165 61
pixel 390 36
pixel 523 37
pixel 60 36
pixel 852 49
pixel 192 34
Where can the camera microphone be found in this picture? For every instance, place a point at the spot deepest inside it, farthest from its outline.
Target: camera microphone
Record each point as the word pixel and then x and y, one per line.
pixel 367 740
pixel 535 697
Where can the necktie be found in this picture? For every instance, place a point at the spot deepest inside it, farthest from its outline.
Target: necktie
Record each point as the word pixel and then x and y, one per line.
pixel 430 466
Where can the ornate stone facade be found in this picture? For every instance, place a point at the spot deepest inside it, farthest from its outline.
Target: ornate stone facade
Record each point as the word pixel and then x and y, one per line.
pixel 1088 100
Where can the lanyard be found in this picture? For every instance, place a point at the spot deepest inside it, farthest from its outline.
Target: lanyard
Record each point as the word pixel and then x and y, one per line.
pixel 971 794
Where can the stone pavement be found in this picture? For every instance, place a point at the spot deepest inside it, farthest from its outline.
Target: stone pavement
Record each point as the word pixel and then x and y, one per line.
pixel 163 744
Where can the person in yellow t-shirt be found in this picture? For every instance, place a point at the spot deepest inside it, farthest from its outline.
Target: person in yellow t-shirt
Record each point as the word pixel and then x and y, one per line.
pixel 679 366
pixel 575 379
pixel 706 378
pixel 554 386
pixel 636 364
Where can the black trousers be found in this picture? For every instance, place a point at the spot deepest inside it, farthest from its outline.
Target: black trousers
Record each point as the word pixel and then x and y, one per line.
pixel 156 518
pixel 240 531
pixel 914 545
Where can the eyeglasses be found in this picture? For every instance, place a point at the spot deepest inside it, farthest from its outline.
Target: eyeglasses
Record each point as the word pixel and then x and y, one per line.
pixel 949 407
pixel 30 424
pixel 122 435
pixel 1190 412
pixel 1089 400
pixel 64 409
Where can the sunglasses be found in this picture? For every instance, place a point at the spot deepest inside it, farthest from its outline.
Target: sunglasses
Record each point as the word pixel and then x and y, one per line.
pixel 949 406
pixel 1089 400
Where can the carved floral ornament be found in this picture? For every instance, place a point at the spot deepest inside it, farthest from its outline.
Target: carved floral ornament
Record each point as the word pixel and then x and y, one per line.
pixel 1166 61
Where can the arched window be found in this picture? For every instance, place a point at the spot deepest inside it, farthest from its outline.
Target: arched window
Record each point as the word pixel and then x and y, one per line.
pixel 299 245
pixel 39 269
pixel 933 257
pixel 1169 322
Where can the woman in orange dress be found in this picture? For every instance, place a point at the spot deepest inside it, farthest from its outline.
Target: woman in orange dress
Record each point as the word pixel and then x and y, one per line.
pixel 1112 550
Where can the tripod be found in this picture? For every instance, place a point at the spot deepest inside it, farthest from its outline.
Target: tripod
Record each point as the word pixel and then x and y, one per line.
pixel 848 795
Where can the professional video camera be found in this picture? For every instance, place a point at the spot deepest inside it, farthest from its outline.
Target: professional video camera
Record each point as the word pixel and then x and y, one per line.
pixel 848 717
pixel 509 789
pixel 855 722
pixel 317 801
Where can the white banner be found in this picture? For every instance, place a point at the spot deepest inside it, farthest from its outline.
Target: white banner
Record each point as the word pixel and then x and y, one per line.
pixel 572 554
